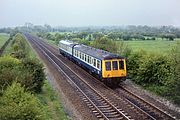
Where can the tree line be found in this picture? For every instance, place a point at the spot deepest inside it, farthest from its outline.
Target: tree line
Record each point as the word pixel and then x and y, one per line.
pixel 129 32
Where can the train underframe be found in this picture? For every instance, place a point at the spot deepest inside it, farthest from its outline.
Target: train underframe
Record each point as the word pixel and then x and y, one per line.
pixel 113 82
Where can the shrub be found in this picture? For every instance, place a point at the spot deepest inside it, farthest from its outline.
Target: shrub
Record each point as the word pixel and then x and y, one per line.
pixel 154 69
pixel 8 71
pixel 133 63
pixel 16 104
pixel 105 43
pixel 28 72
pixel 37 72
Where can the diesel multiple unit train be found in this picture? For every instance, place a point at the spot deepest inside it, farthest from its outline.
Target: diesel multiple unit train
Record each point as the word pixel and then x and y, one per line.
pixel 109 68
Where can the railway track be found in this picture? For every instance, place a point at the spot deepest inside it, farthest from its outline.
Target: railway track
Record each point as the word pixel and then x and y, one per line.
pixel 102 105
pixel 144 105
pixel 99 105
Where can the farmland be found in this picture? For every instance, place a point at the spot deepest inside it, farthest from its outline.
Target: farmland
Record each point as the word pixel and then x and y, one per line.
pixel 3 38
pixel 155 46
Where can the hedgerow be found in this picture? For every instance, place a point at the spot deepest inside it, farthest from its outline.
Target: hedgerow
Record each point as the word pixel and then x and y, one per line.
pixel 28 72
pixel 158 73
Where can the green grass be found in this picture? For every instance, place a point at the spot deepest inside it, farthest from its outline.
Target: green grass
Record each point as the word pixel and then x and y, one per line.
pixel 49 98
pixel 3 38
pixel 156 46
pixel 52 106
pixel 8 49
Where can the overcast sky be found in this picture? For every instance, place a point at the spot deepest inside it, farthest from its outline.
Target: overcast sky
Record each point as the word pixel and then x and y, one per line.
pixel 90 12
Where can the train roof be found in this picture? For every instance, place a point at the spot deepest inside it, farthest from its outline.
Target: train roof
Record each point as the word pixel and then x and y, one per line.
pixel 67 42
pixel 97 53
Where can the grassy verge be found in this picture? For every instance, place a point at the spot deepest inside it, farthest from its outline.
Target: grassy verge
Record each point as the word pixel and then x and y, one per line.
pixel 52 105
pixel 49 98
pixel 3 38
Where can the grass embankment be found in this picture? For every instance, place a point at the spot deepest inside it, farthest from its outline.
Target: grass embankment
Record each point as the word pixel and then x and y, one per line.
pixel 48 97
pixel 52 106
pixel 3 38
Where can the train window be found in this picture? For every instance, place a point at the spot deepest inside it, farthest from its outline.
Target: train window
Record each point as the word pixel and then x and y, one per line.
pixel 121 65
pixel 76 53
pixel 98 64
pixel 108 66
pixel 85 57
pixel 90 60
pixel 115 65
pixel 94 62
pixel 82 56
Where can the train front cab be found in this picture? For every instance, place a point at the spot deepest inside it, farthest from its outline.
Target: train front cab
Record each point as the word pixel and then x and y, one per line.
pixel 113 71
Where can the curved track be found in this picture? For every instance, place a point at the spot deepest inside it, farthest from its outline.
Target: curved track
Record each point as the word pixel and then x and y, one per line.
pixel 104 105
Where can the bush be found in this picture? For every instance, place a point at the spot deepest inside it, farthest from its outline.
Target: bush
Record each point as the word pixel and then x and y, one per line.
pixel 8 71
pixel 28 72
pixel 157 73
pixel 153 69
pixel 16 104
pixel 133 63
pixel 105 43
pixel 37 72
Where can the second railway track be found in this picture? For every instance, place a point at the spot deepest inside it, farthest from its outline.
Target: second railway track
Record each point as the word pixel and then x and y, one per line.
pixel 103 105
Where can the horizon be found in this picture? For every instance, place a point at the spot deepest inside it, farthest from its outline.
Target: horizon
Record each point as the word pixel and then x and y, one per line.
pixel 91 26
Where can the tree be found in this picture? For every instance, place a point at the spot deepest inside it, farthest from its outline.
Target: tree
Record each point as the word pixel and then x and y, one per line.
pixel 97 35
pixel 105 44
pixel 82 35
pixel 59 37
pixel 16 104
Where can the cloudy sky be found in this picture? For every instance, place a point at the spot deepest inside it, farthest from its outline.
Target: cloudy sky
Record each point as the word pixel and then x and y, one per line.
pixel 90 12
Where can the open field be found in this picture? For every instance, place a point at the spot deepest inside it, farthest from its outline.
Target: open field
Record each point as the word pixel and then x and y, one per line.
pixel 158 46
pixel 3 38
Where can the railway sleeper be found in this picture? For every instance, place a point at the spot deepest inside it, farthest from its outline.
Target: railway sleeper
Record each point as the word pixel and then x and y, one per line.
pixel 106 108
pixel 108 111
pixel 112 116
